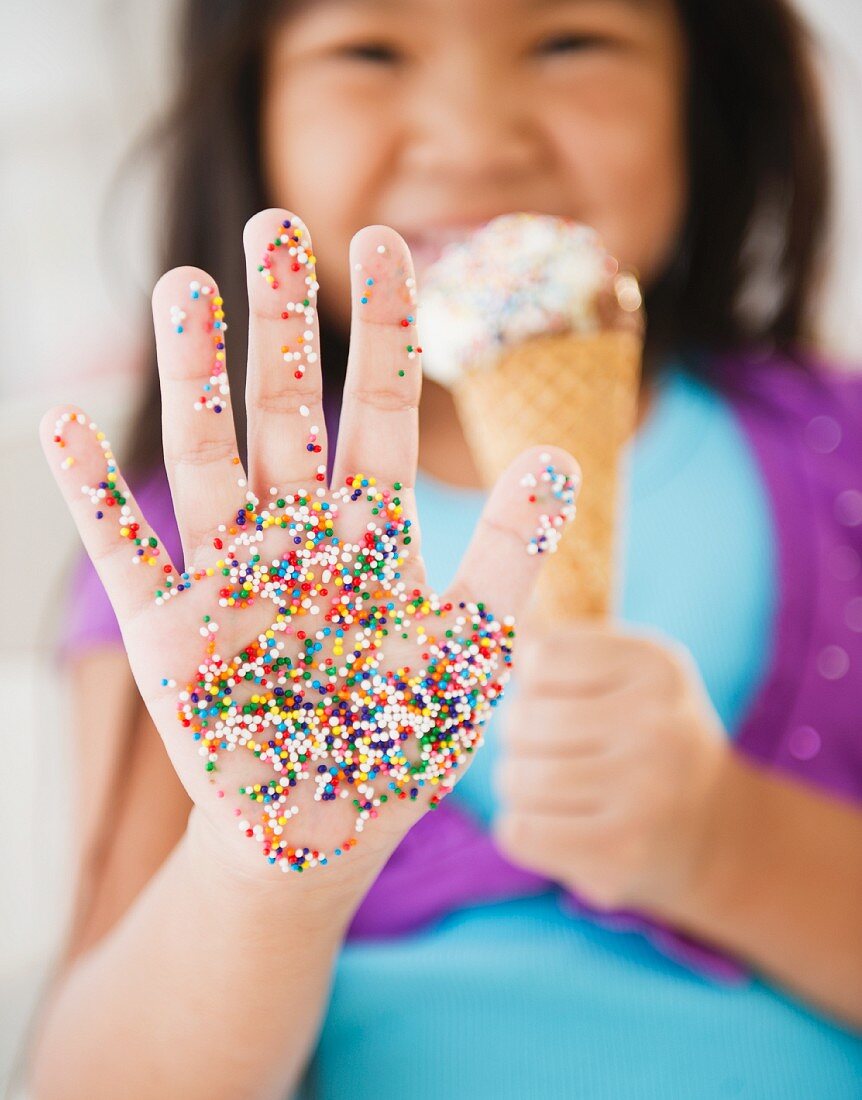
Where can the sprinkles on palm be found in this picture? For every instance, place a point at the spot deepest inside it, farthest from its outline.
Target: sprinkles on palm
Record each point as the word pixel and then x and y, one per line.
pixel 332 712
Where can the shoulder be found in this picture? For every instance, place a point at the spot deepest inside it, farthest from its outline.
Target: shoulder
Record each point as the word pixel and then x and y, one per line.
pixel 803 417
pixel 799 383
pixel 805 399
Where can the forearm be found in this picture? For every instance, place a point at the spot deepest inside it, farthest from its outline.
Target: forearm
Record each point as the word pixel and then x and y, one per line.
pixel 204 989
pixel 779 883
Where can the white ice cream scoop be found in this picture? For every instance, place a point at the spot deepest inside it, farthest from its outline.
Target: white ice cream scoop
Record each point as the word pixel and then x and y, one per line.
pixel 519 276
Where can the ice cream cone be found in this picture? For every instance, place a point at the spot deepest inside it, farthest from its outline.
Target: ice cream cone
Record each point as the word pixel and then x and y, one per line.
pixel 579 392
pixel 538 334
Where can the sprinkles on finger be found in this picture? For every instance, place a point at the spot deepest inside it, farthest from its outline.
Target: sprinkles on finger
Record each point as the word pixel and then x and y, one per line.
pixel 110 494
pixel 216 391
pixel 373 274
pixel 557 489
pixel 302 352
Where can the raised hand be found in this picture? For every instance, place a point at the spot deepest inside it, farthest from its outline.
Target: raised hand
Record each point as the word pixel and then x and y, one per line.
pixel 303 679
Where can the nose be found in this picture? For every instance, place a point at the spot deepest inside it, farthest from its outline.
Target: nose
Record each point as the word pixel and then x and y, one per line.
pixel 470 124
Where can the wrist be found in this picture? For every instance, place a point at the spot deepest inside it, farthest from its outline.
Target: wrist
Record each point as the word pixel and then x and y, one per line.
pixel 720 834
pixel 335 891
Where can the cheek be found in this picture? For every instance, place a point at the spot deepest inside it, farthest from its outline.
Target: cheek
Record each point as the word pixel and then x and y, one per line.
pixel 622 145
pixel 325 160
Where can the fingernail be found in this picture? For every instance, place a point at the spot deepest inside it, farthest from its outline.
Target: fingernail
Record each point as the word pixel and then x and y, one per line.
pixel 384 290
pixel 382 275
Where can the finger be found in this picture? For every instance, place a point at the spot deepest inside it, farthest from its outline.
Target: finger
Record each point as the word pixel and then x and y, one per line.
pixel 379 430
pixel 549 839
pixel 538 726
pixel 587 660
pixel 201 457
pixel 578 664
pixel 553 785
pixel 126 552
pixel 284 396
pixel 525 512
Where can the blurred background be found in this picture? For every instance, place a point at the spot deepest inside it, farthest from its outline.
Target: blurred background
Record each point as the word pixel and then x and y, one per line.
pixel 78 84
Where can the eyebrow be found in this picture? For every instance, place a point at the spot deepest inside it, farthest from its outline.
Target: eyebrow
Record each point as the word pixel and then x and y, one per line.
pixel 395 5
pixel 316 5
pixel 539 4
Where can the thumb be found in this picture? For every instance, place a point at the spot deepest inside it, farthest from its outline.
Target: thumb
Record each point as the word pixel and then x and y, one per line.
pixel 525 515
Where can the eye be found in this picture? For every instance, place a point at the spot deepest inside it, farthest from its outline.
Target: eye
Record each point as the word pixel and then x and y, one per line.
pixel 556 44
pixel 375 53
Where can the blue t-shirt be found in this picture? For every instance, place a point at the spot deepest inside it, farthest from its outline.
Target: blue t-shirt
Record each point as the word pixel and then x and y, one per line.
pixel 519 999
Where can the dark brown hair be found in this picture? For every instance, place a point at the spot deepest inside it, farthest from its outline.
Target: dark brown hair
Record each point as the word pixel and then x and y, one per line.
pixel 755 219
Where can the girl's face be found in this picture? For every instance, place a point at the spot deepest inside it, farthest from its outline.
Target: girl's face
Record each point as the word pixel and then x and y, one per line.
pixel 434 115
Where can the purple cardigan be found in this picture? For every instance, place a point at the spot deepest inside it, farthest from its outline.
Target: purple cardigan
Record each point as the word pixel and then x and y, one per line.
pixel 805 428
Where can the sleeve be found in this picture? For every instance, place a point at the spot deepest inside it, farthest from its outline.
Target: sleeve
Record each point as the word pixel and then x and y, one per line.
pixel 708 962
pixel 849 390
pixel 86 617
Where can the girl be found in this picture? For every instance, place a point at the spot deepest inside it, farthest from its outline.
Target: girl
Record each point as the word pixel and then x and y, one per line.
pixel 647 883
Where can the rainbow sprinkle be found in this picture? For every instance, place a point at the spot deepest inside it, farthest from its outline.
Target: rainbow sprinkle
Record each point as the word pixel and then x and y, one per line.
pixel 216 392
pixel 110 495
pixel 551 485
pixel 302 352
pixel 371 276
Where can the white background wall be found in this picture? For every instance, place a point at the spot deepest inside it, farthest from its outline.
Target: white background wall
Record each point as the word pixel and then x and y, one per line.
pixel 77 81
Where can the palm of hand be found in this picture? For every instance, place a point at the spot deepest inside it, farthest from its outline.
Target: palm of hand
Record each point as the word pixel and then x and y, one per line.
pixel 303 633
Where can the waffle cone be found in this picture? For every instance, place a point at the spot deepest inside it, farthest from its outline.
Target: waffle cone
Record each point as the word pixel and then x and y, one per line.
pixel 578 392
